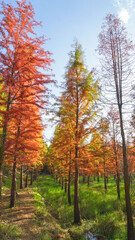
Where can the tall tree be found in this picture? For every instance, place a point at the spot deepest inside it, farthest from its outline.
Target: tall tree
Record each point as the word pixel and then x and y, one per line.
pixel 116 50
pixel 81 93
pixel 21 59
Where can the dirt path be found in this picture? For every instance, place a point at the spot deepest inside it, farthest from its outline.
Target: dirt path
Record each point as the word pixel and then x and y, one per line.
pixel 21 215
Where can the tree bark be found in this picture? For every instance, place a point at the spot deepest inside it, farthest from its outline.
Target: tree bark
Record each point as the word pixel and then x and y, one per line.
pixel 13 189
pixel 62 183
pixel 88 180
pixel 77 219
pixel 2 146
pixel 31 179
pixel 21 177
pixel 65 184
pixel 69 181
pixel 26 180
pixel 130 228
pixel 0 181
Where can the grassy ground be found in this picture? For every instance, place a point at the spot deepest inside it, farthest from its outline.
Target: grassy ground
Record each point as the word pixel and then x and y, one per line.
pixel 101 212
pixel 30 219
pixel 43 213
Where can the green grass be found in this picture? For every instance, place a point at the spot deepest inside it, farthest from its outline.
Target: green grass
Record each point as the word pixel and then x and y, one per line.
pixel 49 227
pixel 102 213
pixel 9 232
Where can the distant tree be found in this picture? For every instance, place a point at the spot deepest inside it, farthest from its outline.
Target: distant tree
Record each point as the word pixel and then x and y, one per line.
pixel 117 50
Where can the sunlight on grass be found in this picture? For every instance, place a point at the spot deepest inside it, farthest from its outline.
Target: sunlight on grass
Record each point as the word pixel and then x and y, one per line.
pixel 101 212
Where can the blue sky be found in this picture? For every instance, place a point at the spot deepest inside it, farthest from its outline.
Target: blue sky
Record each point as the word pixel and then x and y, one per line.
pixel 66 20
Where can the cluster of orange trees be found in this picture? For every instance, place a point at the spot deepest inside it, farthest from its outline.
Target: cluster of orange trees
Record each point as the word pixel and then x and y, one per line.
pixel 23 90
pixel 85 141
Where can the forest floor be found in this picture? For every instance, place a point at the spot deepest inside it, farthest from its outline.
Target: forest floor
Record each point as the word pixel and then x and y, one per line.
pixel 25 221
pixel 22 215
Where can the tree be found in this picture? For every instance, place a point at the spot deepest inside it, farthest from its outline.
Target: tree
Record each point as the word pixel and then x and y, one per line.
pixel 81 93
pixel 22 58
pixel 116 50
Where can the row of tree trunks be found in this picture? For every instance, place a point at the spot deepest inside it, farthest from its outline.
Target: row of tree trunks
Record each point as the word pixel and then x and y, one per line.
pixel 14 185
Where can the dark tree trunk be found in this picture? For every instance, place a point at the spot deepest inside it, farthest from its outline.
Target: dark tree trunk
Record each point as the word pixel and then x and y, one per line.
pixel 0 181
pixel 62 183
pixel 21 177
pixel 13 188
pixel 83 178
pixel 88 180
pixel 26 180
pixel 77 219
pixel 118 185
pixel 31 179
pixel 65 185
pixel 105 183
pixel 3 141
pixel 98 177
pixel 69 181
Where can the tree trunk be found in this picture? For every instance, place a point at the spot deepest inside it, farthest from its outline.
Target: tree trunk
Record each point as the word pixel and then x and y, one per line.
pixel 3 141
pixel 77 219
pixel 76 195
pixel 26 180
pixel 62 183
pixel 83 178
pixel 69 181
pixel 0 181
pixel 105 177
pixel 21 177
pixel 130 228
pixel 98 177
pixel 65 185
pixel 105 182
pixel 13 188
pixel 31 179
pixel 88 180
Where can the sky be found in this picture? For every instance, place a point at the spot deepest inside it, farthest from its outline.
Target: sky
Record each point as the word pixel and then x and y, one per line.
pixel 63 21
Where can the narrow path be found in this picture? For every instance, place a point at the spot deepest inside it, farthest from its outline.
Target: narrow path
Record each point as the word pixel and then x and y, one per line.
pixel 21 215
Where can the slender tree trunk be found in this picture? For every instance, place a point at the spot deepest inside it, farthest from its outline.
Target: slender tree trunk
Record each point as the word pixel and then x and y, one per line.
pixel 13 189
pixel 83 178
pixel 2 145
pixel 76 195
pixel 77 218
pixel 65 184
pixel 105 182
pixel 105 178
pixel 118 185
pixel 88 180
pixel 0 181
pixel 21 177
pixel 69 181
pixel 31 179
pixel 26 180
pixel 98 177
pixel 62 183
pixel 130 227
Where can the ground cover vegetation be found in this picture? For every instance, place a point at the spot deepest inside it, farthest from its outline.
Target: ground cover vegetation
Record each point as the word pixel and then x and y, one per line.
pixel 92 138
